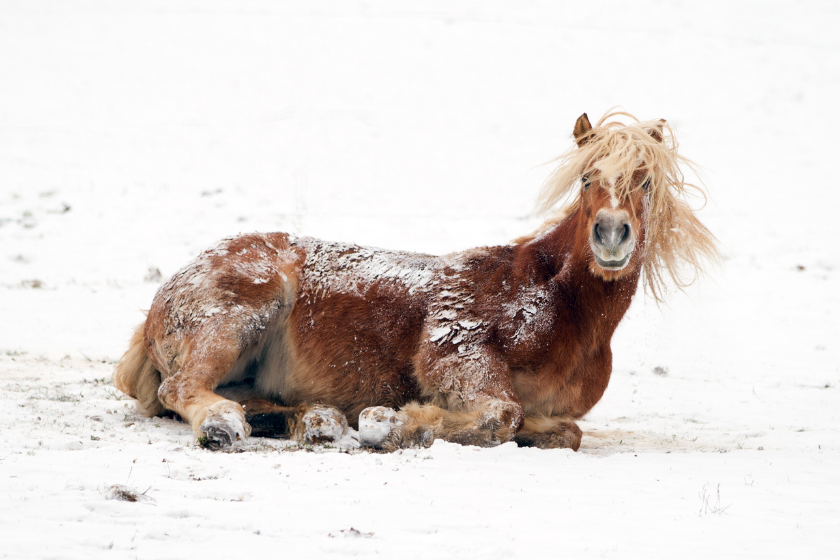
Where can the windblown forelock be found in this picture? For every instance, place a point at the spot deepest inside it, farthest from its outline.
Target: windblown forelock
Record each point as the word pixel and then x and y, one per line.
pixel 676 243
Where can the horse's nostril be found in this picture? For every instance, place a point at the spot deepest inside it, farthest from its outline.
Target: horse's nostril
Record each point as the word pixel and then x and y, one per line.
pixel 597 234
pixel 625 234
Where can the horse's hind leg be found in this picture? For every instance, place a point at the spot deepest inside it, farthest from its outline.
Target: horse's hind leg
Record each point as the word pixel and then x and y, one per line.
pixel 303 423
pixel 216 421
pixel 549 432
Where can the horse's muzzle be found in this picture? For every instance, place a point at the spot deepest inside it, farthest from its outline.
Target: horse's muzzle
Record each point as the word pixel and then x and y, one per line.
pixel 611 239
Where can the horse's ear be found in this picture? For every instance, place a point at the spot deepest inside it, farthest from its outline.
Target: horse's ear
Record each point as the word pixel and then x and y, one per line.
pixel 656 131
pixel 582 129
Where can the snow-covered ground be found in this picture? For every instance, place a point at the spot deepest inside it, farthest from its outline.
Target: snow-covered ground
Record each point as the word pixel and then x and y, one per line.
pixel 133 135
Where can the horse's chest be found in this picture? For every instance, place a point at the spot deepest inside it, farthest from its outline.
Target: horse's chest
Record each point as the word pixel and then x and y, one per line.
pixel 542 395
pixel 565 387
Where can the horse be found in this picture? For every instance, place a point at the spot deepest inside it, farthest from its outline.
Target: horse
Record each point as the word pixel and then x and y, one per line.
pixel 277 335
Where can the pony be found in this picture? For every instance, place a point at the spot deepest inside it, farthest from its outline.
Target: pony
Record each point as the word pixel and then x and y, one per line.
pixel 276 335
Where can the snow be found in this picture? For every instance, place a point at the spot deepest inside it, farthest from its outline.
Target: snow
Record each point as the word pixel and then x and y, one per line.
pixel 440 332
pixel 351 269
pixel 133 136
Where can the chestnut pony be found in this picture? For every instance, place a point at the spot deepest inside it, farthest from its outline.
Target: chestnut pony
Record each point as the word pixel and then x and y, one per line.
pixel 273 334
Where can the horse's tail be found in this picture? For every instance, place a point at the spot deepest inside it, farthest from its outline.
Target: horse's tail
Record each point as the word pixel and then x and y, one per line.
pixel 136 376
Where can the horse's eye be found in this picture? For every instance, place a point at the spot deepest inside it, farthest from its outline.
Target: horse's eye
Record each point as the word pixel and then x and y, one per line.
pixel 586 182
pixel 646 185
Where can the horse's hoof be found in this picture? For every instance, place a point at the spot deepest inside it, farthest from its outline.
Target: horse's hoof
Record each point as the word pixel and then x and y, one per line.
pixel 376 423
pixel 565 435
pixel 221 428
pixel 323 424
pixel 217 436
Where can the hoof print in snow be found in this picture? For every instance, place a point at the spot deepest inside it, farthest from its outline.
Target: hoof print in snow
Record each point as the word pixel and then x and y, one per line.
pixel 323 424
pixel 376 423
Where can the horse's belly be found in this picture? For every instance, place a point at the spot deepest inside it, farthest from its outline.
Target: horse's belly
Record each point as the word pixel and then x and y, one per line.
pixel 350 387
pixel 348 356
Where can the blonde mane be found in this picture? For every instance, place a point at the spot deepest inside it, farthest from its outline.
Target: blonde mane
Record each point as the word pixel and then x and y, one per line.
pixel 676 243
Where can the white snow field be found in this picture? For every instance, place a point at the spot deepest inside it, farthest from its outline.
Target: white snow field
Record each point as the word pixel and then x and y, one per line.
pixel 135 134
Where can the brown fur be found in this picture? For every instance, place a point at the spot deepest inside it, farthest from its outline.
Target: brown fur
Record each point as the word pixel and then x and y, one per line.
pixel 582 130
pixel 479 347
pixel 547 432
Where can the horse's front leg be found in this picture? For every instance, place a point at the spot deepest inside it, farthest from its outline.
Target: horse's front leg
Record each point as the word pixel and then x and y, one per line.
pixel 472 402
pixel 549 432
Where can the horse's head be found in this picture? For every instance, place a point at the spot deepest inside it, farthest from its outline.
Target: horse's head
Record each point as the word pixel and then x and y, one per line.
pixel 626 187
pixel 614 204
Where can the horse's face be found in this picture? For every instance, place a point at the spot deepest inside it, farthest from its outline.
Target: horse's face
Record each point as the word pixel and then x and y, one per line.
pixel 613 226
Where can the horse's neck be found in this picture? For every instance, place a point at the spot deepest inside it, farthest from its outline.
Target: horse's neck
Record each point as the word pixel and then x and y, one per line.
pixel 597 305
